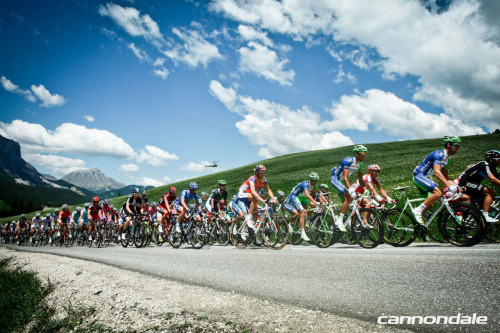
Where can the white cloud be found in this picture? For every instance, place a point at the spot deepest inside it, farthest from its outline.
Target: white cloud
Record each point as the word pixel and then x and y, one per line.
pixel 131 20
pixel 67 137
pixel 262 61
pixel 59 166
pixel 454 53
pixel 9 86
pixel 343 76
pixel 166 179
pixel 48 100
pixel 277 129
pixel 248 33
pixel 194 49
pixel 89 118
pixel 140 54
pixel 146 181
pixel 155 156
pixel 162 72
pixel 128 168
pixel 196 167
pixel 384 112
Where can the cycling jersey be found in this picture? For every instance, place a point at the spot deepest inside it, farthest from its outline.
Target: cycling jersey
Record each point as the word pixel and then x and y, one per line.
pixel 348 163
pixel 106 209
pixel 205 205
pixel 35 222
pixel 301 187
pixel 426 168
pixel 23 222
pixel 85 216
pixel 64 215
pixel 47 223
pixel 477 173
pixel 167 198
pixel 187 196
pixel 217 196
pixel 258 184
pixel 368 180
pixel 134 205
pixel 76 216
pixel 94 212
pixel 152 210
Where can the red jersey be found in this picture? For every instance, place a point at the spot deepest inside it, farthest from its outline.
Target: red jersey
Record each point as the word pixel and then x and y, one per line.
pixel 94 211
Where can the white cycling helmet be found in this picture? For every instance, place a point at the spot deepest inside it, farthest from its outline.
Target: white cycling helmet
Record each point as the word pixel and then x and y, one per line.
pixel 374 167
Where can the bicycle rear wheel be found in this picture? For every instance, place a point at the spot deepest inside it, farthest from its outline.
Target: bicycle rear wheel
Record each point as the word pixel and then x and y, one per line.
pixel 368 231
pixel 295 234
pixel 198 236
pixel 493 229
pixel 139 235
pixel 398 227
pixel 175 238
pixel 322 227
pixel 221 234
pixel 239 233
pixel 464 228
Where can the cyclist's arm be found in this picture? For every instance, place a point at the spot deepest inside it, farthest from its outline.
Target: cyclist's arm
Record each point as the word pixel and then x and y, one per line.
pixel 312 201
pixel 127 208
pixel 362 182
pixel 346 178
pixel 494 179
pixel 183 204
pixel 271 195
pixel 254 193
pixel 442 175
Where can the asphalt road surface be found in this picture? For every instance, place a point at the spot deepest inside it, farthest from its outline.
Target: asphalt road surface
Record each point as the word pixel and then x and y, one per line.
pixel 419 280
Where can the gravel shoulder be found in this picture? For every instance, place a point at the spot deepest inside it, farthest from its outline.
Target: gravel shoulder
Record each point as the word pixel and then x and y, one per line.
pixel 131 301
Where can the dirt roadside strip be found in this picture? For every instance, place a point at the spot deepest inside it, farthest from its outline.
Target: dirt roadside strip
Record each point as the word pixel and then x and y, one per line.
pixel 131 301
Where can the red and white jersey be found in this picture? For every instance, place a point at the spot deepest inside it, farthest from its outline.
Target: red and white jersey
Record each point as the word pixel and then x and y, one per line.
pixel 368 180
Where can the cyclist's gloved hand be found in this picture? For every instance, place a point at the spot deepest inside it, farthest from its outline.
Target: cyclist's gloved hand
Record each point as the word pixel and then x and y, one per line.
pixel 453 188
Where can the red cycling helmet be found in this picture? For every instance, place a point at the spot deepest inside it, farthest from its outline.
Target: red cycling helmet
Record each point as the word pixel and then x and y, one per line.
pixel 172 189
pixel 259 167
pixel 95 199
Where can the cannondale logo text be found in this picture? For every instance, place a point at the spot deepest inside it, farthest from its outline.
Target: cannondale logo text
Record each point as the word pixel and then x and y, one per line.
pixel 459 319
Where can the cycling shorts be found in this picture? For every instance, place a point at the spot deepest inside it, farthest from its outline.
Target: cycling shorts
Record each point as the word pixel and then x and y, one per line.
pixel 338 185
pixel 474 191
pixel 240 206
pixel 292 203
pixel 424 184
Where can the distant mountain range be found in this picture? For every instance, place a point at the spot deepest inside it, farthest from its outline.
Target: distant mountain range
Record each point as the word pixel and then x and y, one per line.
pixel 93 179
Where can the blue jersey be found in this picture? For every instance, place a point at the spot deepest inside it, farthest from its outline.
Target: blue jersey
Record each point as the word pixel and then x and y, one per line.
pixel 300 188
pixel 426 168
pixel 348 163
pixel 186 195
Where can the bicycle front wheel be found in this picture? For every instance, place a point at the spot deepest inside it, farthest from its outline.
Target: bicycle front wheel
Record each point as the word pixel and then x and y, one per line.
pixel 139 235
pixel 463 228
pixel 367 228
pixel 276 232
pixel 322 227
pixel 295 233
pixel 221 234
pixel 398 227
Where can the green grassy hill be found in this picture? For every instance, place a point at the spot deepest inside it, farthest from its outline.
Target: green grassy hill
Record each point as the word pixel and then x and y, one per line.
pixel 397 160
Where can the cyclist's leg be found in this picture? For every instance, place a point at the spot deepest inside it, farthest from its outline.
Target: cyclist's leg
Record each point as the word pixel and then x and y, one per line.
pixel 425 185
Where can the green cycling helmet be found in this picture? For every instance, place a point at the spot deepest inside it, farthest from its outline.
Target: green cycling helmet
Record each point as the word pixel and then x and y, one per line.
pixel 359 149
pixel 452 139
pixel 314 176
pixel 222 182
pixel 323 186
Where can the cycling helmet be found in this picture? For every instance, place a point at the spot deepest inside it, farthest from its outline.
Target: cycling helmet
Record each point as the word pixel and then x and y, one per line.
pixel 193 186
pixel 22 215
pixel 111 206
pixel 323 186
pixel 37 214
pixel 65 206
pixel 144 194
pixel 359 149
pixel 105 201
pixel 204 194
pixel 135 190
pixel 259 167
pixel 314 176
pixel 492 154
pixel 95 199
pixel 87 205
pixel 373 167
pixel 57 211
pixel 222 182
pixel 47 215
pixel 78 209
pixel 153 204
pixel 452 139
pixel 280 193
pixel 172 189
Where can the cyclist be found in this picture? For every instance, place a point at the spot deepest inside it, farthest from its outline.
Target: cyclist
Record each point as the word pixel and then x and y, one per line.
pixel 371 178
pixel 95 212
pixel 77 218
pixel 340 179
pixel 165 207
pixel 153 211
pixel 47 225
pixel 322 195
pixel 280 199
pixel 145 204
pixel 181 203
pixel 35 224
pixel 203 201
pixel 294 206
pixel 472 177
pixel 22 224
pixel 106 209
pixel 436 162
pixel 63 218
pixel 133 205
pixel 248 196
pixel 218 198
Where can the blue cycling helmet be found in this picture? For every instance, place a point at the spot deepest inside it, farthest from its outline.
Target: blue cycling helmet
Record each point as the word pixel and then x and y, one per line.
pixel 153 204
pixel 105 201
pixel 193 186
pixel 492 155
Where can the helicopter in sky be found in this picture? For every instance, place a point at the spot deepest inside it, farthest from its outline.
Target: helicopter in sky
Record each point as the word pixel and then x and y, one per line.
pixel 212 165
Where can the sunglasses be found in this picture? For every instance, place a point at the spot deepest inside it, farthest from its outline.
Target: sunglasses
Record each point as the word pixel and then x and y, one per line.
pixel 362 153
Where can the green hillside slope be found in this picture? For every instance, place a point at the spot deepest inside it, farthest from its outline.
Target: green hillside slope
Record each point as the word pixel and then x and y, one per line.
pixel 397 160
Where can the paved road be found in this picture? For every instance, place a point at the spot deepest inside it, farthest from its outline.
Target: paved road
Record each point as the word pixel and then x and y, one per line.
pixel 419 280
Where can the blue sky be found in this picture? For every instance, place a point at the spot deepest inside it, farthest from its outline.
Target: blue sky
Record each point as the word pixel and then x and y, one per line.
pixel 150 91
